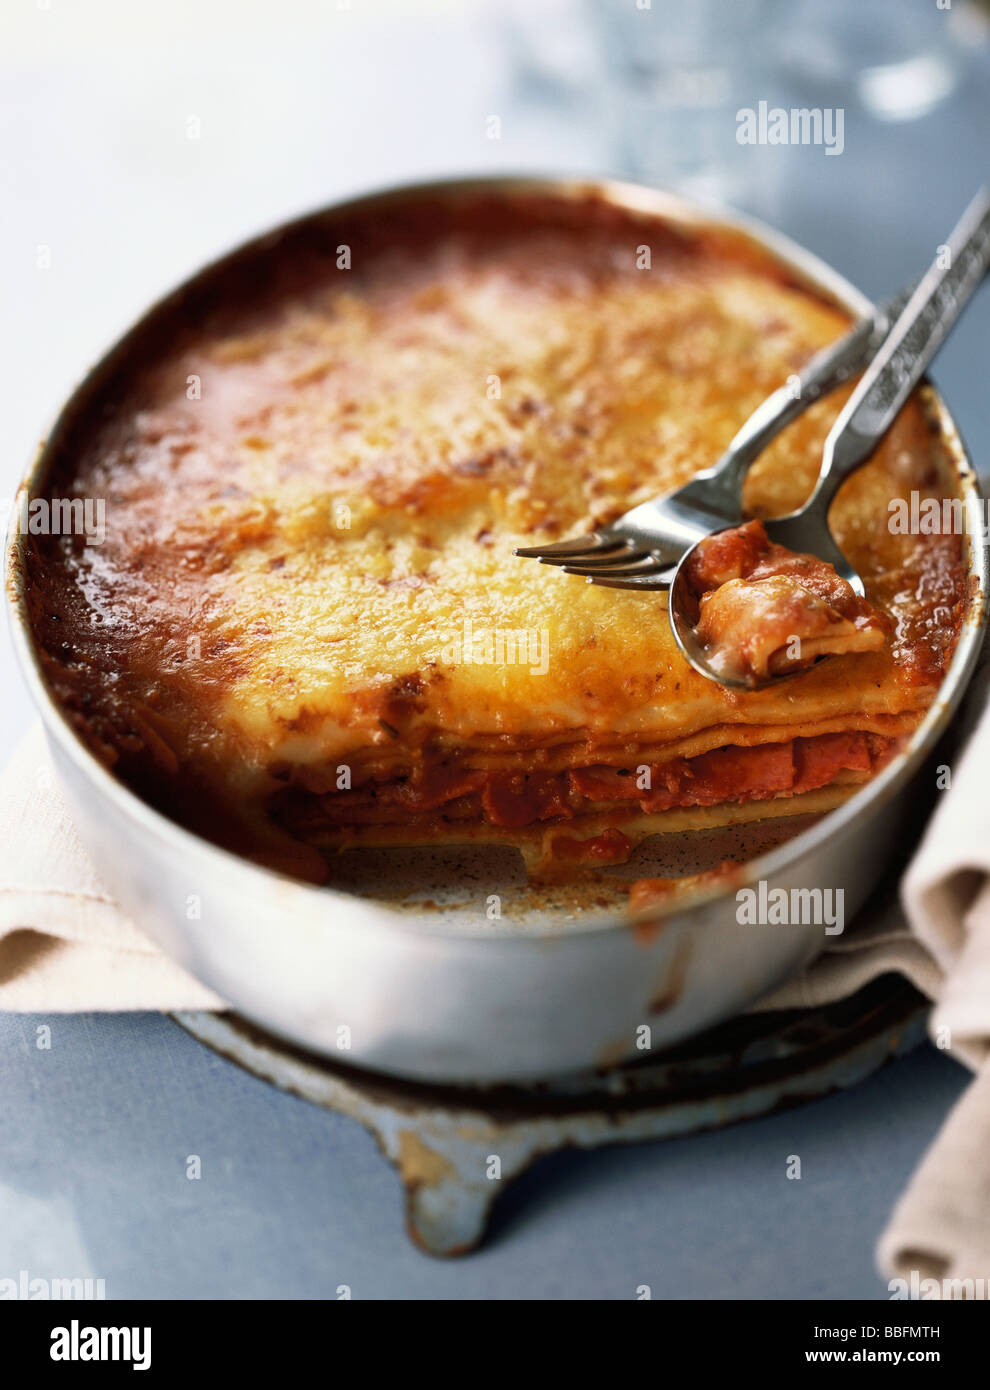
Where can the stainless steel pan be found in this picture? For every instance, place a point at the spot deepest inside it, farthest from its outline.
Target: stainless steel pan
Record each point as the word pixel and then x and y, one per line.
pixel 438 996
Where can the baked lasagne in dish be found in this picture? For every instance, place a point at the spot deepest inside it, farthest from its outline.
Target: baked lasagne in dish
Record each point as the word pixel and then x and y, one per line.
pixel 305 628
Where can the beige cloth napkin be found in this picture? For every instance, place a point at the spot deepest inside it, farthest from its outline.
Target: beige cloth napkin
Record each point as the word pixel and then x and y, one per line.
pixel 64 945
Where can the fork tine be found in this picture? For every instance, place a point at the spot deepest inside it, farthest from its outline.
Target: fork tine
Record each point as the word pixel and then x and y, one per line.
pixel 628 555
pixel 620 555
pixel 661 580
pixel 632 564
pixel 577 546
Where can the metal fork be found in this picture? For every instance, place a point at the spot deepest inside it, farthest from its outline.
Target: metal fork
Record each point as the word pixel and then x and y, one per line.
pixel 641 548
pixel 917 334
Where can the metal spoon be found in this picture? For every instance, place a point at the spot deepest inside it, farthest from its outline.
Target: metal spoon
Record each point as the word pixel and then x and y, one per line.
pixel 869 413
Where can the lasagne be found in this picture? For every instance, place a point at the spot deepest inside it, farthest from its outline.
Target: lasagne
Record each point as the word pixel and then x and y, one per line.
pixel 304 627
pixel 765 611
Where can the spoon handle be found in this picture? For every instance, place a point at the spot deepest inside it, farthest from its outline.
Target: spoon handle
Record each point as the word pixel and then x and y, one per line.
pixel 913 341
pixel 827 370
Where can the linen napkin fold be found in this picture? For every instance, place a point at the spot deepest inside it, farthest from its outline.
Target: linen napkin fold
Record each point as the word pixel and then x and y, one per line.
pixel 940 1229
pixel 64 945
pixel 937 1241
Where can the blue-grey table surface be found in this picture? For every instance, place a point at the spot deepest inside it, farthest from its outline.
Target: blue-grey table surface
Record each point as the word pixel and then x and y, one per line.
pixel 293 1201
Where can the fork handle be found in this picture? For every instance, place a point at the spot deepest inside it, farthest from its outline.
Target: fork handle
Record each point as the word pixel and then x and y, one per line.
pixel 822 375
pixel 913 341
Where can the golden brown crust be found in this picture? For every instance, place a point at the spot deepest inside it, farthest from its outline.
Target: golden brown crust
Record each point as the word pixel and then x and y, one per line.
pixel 315 475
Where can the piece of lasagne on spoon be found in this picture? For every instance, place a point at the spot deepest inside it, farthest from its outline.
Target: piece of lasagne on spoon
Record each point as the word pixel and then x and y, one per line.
pixel 767 611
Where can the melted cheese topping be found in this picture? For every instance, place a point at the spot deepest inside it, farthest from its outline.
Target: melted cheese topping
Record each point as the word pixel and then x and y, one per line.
pixel 315 478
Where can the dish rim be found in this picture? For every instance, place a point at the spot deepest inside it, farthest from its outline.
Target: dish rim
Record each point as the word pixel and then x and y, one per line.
pixel 810 270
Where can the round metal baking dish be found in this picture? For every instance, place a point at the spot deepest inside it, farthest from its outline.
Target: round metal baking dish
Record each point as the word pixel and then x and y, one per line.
pixel 423 997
